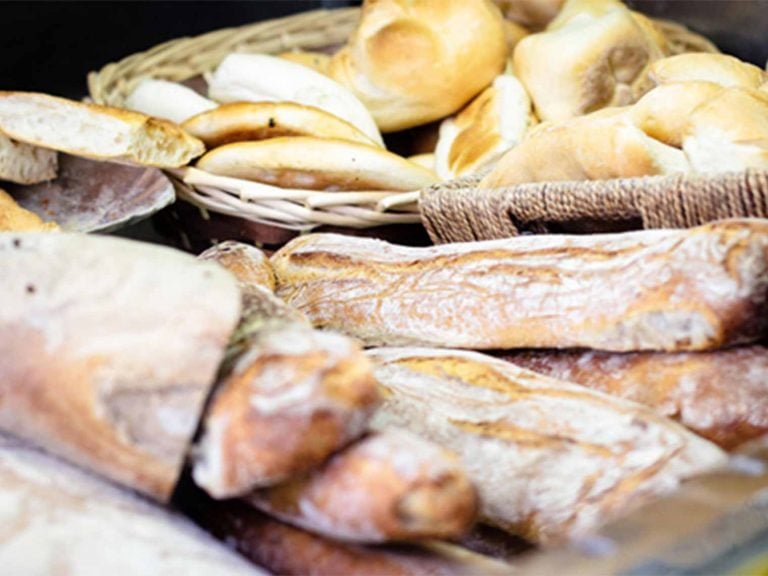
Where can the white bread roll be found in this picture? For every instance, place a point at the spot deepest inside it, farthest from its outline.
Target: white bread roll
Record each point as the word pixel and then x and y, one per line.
pixel 317 61
pixel 533 14
pixel 168 100
pixel 25 164
pixel 93 131
pixel 316 164
pixel 591 56
pixel 14 218
pixel 490 125
pixel 720 69
pixel 258 78
pixel 418 61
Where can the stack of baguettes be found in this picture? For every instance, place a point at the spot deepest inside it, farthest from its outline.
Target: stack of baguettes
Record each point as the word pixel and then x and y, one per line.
pixel 573 375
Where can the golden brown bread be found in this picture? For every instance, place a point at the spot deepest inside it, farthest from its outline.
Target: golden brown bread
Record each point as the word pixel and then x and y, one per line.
pixel 722 69
pixel 14 218
pixel 695 289
pixel 720 395
pixel 418 61
pixel 248 264
pixel 389 486
pixel 550 459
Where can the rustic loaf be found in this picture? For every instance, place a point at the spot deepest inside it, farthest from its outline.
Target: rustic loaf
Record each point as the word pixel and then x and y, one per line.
pixel 695 289
pixel 550 459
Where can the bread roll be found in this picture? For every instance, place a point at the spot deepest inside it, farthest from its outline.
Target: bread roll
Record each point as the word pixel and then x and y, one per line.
pixel 168 100
pixel 317 61
pixel 591 56
pixel 721 69
pixel 533 14
pixel 58 519
pixel 550 459
pixel 25 164
pixel 259 78
pixel 720 395
pixel 316 164
pixel 490 125
pixel 244 121
pixel 108 350
pixel 14 218
pixel 414 62
pixel 390 486
pixel 98 132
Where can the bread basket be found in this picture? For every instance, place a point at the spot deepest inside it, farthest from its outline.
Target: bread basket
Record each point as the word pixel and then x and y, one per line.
pixel 451 211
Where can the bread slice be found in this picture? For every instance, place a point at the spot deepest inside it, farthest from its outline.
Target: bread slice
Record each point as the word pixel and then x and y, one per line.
pixel 244 121
pixel 93 131
pixel 167 100
pixel 25 164
pixel 316 164
pixel 14 218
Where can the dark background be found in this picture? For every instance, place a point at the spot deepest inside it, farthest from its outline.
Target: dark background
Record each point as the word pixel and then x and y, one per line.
pixel 51 46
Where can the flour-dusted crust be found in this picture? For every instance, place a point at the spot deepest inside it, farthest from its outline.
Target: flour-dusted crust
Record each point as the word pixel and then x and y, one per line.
pixel 695 289
pixel 550 459
pixel 108 349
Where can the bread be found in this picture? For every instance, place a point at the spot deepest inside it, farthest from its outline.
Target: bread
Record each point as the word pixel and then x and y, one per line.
pixel 720 395
pixel 25 164
pixel 317 61
pixel 14 218
pixel 550 459
pixel 491 124
pixel 533 14
pixel 603 145
pixel 248 264
pixel 696 289
pixel 167 100
pixel 284 549
pixel 258 78
pixel 591 56
pixel 58 519
pixel 244 121
pixel 722 69
pixel 108 350
pixel 387 487
pixel 414 62
pixel 316 164
pixel 93 131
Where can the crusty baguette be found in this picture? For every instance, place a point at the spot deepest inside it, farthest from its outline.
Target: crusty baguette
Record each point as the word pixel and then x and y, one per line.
pixel 93 131
pixel 389 486
pixel 720 395
pixel 25 164
pixel 550 459
pixel 247 263
pixel 58 519
pixel 694 289
pixel 14 218
pixel 108 350
pixel 167 100
pixel 284 549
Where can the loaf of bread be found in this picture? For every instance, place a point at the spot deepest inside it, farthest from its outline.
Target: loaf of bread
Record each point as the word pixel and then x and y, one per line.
pixel 167 100
pixel 414 62
pixel 720 395
pixel 109 349
pixel 694 289
pixel 25 164
pixel 390 486
pixel 93 131
pixel 550 459
pixel 14 218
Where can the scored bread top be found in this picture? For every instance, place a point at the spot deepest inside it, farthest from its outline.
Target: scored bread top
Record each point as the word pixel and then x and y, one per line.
pixel 94 131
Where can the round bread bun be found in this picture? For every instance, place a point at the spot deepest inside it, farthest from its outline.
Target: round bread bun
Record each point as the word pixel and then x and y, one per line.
pixel 720 69
pixel 249 121
pixel 92 131
pixel 418 61
pixel 316 164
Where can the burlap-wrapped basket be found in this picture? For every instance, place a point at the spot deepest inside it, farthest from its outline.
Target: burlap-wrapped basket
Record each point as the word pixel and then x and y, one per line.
pixel 450 212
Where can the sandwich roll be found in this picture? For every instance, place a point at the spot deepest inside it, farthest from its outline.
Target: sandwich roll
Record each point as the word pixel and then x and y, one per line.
pixel 26 164
pixel 14 218
pixel 721 69
pixel 249 121
pixel 390 486
pixel 551 459
pixel 259 78
pixel 695 289
pixel 98 132
pixel 108 351
pixel 168 100
pixel 316 164
pixel 721 395
pixel 415 62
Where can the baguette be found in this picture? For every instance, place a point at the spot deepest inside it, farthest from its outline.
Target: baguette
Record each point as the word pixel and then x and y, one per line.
pixel 248 264
pixel 25 164
pixel 720 395
pixel 387 487
pixel 550 459
pixel 695 289
pixel 108 350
